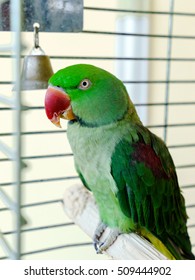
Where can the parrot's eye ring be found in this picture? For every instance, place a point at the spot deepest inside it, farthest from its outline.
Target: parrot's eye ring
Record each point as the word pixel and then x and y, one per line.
pixel 85 84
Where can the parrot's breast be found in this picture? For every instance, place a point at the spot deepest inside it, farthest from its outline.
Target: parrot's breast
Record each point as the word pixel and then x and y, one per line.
pixel 93 149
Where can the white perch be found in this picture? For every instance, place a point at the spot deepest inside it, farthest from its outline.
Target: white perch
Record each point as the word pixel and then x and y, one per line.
pixel 80 207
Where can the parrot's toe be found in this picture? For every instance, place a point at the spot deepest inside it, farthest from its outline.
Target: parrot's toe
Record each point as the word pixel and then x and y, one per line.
pixel 114 233
pixel 97 235
pixel 98 247
pixel 103 246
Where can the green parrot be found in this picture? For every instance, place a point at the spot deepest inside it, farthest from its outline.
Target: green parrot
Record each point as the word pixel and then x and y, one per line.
pixel 128 169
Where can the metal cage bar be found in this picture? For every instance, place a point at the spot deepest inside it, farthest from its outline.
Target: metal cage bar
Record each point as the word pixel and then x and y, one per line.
pixel 168 68
pixel 14 153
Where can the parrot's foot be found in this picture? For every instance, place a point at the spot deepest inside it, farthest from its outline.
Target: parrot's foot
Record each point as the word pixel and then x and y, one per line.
pixel 97 235
pixel 102 246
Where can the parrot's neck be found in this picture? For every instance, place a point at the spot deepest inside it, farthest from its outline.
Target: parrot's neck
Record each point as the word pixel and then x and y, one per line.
pixel 130 115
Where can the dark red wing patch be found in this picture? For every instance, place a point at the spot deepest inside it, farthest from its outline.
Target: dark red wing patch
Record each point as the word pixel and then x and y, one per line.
pixel 144 153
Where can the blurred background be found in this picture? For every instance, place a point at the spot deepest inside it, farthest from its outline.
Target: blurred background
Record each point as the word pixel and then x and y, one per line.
pixel 150 45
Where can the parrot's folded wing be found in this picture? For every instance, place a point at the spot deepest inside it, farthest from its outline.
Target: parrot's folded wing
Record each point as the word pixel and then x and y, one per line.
pixel 149 193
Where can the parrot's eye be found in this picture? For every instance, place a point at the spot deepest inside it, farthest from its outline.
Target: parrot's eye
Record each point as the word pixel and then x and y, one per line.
pixel 85 84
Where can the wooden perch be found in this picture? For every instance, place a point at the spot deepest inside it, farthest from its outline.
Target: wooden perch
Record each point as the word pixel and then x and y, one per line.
pixel 80 207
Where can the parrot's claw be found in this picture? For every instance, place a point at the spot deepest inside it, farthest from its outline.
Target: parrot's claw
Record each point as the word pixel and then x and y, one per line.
pixel 97 235
pixel 103 246
pixel 98 247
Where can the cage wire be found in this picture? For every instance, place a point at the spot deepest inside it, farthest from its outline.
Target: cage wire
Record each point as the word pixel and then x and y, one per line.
pixel 39 155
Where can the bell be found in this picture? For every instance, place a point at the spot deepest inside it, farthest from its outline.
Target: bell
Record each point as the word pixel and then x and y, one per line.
pixel 36 72
pixel 37 68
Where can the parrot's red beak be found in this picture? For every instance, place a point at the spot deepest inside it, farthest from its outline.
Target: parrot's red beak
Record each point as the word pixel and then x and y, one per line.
pixel 58 105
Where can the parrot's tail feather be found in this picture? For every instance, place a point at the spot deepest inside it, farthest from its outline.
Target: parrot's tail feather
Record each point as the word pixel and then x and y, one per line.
pixel 174 250
pixel 178 253
pixel 190 257
pixel 157 243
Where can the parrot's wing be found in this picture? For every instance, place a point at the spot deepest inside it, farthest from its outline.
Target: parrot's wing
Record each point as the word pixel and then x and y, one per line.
pixel 82 178
pixel 148 191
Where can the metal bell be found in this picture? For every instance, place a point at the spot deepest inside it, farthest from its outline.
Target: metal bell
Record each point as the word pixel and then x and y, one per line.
pixel 36 72
pixel 37 68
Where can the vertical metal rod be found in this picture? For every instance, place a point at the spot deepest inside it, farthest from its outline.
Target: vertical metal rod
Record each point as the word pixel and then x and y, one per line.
pixel 168 68
pixel 16 28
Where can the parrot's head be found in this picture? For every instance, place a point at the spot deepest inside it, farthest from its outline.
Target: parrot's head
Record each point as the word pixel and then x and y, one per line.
pixel 86 94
